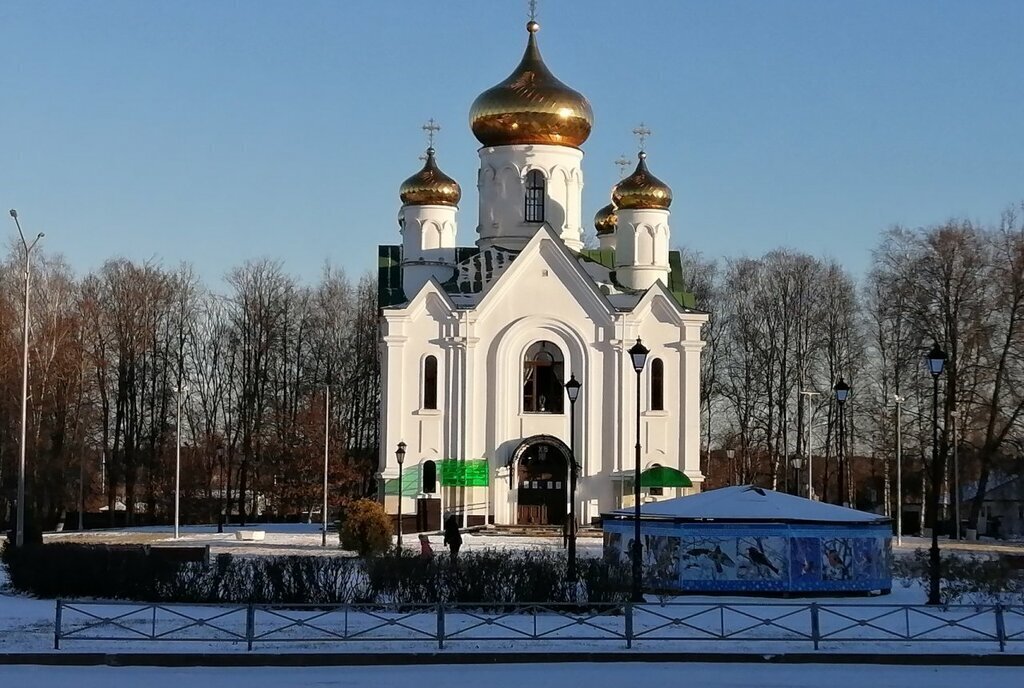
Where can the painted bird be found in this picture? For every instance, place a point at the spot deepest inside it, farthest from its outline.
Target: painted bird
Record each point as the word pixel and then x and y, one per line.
pixel 720 558
pixel 836 561
pixel 758 558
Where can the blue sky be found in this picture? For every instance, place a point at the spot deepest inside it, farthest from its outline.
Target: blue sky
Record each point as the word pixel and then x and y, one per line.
pixel 214 132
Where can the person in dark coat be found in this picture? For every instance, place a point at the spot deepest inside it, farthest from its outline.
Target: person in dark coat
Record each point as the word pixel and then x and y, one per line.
pixel 452 537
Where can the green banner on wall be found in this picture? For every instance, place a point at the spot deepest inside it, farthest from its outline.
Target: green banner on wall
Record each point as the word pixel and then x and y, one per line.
pixel 469 473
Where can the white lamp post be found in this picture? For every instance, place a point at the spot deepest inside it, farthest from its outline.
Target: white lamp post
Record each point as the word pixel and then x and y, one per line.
pixel 177 464
pixel 19 538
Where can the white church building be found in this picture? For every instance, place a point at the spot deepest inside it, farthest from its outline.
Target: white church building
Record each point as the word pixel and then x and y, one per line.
pixel 478 342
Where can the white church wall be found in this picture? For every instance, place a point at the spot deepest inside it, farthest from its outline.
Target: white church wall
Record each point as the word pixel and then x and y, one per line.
pixel 428 245
pixel 502 187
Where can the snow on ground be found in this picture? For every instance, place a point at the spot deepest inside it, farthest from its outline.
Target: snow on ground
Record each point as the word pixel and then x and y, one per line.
pixel 306 539
pixel 515 675
pixel 26 624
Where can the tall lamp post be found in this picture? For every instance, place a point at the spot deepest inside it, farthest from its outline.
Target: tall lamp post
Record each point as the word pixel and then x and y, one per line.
pixel 638 354
pixel 899 467
pixel 327 452
pixel 177 463
pixel 842 391
pixel 400 457
pixel 936 362
pixel 19 538
pixel 572 388
pixel 954 419
pixel 810 453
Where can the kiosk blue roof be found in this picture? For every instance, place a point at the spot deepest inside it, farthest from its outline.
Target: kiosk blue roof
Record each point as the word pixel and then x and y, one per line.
pixel 749 504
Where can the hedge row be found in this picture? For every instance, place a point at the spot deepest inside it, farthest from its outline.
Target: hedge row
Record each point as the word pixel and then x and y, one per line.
pixel 485 577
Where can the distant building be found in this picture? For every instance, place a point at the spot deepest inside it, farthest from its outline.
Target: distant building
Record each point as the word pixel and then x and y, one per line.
pixel 1002 505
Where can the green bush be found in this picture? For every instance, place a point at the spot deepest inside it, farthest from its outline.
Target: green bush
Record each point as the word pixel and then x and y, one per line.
pixel 366 528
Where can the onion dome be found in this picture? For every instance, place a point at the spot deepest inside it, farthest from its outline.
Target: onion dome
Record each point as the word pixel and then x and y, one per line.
pixel 605 220
pixel 642 190
pixel 531 106
pixel 430 186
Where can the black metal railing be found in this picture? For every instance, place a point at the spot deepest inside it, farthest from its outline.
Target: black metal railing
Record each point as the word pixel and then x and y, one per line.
pixel 792 625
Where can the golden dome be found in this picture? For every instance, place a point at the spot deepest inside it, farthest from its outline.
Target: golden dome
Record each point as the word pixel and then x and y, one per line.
pixel 430 186
pixel 605 220
pixel 531 106
pixel 642 190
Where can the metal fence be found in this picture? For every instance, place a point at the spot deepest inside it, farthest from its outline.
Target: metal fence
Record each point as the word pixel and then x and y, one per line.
pixel 790 625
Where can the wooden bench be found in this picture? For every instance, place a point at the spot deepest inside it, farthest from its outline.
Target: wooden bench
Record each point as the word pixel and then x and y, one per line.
pixel 251 535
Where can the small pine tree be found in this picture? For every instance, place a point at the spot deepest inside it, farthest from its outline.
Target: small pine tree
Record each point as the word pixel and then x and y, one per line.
pixel 366 528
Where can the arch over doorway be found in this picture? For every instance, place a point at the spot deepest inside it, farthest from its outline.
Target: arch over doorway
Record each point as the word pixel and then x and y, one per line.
pixel 540 474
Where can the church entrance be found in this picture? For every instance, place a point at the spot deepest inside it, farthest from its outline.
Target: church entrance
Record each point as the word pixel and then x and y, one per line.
pixel 542 480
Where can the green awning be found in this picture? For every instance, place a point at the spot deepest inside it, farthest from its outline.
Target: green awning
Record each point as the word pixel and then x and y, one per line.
pixel 663 476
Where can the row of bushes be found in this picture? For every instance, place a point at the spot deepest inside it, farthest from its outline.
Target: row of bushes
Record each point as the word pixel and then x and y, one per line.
pixel 965 578
pixel 485 577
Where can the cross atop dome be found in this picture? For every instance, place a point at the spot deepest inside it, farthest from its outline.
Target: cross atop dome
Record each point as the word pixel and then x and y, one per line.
pixel 642 132
pixel 533 10
pixel 623 164
pixel 431 127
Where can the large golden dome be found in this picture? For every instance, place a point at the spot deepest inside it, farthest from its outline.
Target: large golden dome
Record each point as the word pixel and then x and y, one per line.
pixel 430 186
pixel 531 106
pixel 605 220
pixel 642 190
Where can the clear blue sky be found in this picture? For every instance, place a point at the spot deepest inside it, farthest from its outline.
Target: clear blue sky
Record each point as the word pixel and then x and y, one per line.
pixel 213 132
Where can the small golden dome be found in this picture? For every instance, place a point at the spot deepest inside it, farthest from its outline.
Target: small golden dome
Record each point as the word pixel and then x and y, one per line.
pixel 430 186
pixel 605 220
pixel 531 106
pixel 642 190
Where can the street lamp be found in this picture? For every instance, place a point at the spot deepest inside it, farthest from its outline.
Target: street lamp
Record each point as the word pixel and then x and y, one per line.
pixel 842 391
pixel 19 539
pixel 400 457
pixel 936 362
pixel 954 418
pixel 810 453
pixel 327 452
pixel 638 355
pixel 177 463
pixel 899 467
pixel 572 388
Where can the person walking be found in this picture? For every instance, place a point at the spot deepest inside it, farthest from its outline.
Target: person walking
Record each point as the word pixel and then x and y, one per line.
pixel 452 537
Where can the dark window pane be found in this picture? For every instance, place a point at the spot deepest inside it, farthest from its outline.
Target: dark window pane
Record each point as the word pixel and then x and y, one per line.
pixel 429 477
pixel 543 381
pixel 534 211
pixel 657 385
pixel 430 383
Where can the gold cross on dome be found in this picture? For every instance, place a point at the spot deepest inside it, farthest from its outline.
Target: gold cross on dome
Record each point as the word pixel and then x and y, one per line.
pixel 431 127
pixel 533 10
pixel 623 164
pixel 641 133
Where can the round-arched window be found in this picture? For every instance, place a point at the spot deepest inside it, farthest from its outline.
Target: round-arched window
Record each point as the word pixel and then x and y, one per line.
pixel 543 378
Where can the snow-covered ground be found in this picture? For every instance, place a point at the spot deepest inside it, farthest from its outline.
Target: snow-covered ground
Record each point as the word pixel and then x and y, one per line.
pixel 515 675
pixel 26 624
pixel 306 539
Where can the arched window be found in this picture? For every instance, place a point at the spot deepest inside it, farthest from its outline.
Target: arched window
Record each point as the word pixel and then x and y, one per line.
pixel 657 385
pixel 542 379
pixel 429 477
pixel 534 196
pixel 430 382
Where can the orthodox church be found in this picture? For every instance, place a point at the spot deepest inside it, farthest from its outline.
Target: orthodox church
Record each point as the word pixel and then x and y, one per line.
pixel 478 342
